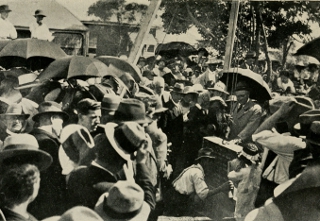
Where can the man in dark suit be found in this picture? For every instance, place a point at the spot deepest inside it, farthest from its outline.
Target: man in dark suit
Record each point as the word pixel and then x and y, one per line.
pixel 51 198
pixel 246 114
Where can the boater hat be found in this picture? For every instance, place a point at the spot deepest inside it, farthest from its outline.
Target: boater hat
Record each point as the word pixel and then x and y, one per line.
pixel 24 148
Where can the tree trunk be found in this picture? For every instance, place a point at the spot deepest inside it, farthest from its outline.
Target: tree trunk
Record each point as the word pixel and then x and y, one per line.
pixel 286 49
pixel 265 45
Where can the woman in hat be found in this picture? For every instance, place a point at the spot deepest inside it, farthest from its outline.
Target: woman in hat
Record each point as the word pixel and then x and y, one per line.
pixel 8 31
pixel 38 29
pixel 246 175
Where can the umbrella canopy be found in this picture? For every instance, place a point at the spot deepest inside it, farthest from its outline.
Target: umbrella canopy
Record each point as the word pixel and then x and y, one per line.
pixel 260 89
pixel 31 53
pixel 119 66
pixel 175 48
pixel 312 49
pixel 74 67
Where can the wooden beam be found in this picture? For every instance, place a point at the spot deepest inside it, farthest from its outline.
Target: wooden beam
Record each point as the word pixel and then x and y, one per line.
pixel 144 30
pixel 233 19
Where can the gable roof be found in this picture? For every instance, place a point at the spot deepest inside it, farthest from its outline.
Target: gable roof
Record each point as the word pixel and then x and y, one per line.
pixel 58 17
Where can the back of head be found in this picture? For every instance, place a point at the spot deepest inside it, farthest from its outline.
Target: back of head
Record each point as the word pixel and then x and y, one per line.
pixel 17 184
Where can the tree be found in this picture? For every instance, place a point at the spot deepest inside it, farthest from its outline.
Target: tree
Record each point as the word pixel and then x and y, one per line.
pixel 260 24
pixel 124 14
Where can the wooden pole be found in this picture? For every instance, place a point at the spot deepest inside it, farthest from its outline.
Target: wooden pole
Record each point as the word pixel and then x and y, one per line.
pixel 233 19
pixel 144 30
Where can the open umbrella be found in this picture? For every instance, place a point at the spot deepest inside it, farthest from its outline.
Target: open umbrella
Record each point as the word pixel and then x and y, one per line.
pixel 74 67
pixel 31 53
pixel 175 48
pixel 260 89
pixel 312 49
pixel 119 66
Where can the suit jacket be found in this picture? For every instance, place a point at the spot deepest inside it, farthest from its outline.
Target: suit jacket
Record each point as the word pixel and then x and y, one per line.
pixel 245 121
pixel 80 185
pixel 52 193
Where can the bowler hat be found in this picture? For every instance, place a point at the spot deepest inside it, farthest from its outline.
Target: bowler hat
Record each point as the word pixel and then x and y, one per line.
pixel 15 110
pixel 242 85
pixel 124 201
pixel 125 138
pixel 50 108
pixel 219 86
pixel 24 148
pixel 131 109
pixel 205 153
pixel 178 88
pixel 4 8
pixel 39 13
pixel 306 119
pixel 110 102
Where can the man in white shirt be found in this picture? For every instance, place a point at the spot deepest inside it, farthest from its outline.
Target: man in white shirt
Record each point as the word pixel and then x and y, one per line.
pixel 38 29
pixel 7 30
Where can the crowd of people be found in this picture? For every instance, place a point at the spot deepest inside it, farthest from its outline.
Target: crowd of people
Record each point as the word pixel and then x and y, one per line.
pixel 127 150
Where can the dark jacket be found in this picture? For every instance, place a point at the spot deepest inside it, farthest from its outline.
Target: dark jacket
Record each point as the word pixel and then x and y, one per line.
pixel 13 216
pixel 80 185
pixel 52 193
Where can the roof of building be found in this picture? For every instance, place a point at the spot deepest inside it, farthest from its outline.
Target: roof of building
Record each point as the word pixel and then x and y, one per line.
pixel 58 17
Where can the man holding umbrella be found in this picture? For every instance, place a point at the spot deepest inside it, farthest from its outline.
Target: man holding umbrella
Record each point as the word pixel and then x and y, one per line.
pixel 246 114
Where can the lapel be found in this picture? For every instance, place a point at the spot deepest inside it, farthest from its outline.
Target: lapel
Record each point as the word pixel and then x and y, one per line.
pixel 243 110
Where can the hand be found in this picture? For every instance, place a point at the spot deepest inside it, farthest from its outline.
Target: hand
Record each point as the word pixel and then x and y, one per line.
pixel 142 152
pixel 168 171
pixel 286 107
pixel 226 186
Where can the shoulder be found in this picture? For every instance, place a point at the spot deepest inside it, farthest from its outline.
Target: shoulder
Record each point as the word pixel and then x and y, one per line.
pixel 254 106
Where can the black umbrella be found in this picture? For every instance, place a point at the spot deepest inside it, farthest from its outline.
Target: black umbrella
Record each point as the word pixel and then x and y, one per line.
pixel 312 49
pixel 260 90
pixel 175 48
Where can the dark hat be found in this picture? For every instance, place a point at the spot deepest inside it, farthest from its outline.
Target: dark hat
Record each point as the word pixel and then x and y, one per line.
pixel 110 102
pixel 131 109
pixel 285 73
pixel 15 110
pixel 314 134
pixel 125 138
pixel 77 213
pixel 24 148
pixel 205 152
pixel 124 201
pixel 39 13
pixel 76 141
pixel 250 149
pixel 50 108
pixel 178 88
pixel 206 53
pixel 4 8
pixel 314 93
pixel 148 72
pixel 251 54
pixel 306 119
pixel 242 85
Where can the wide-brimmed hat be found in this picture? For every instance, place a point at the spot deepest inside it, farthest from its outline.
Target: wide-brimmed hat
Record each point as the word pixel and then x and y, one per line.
pixel 232 98
pixel 15 110
pixel 5 8
pixel 251 152
pixel 50 107
pixel 198 88
pixel 124 201
pixel 39 13
pixel 131 109
pixel 189 90
pixel 219 86
pixel 110 102
pixel 76 140
pixel 75 214
pixel 24 148
pixel 178 88
pixel 159 107
pixel 300 64
pixel 125 138
pixel 305 121
pixel 218 99
pixel 205 153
